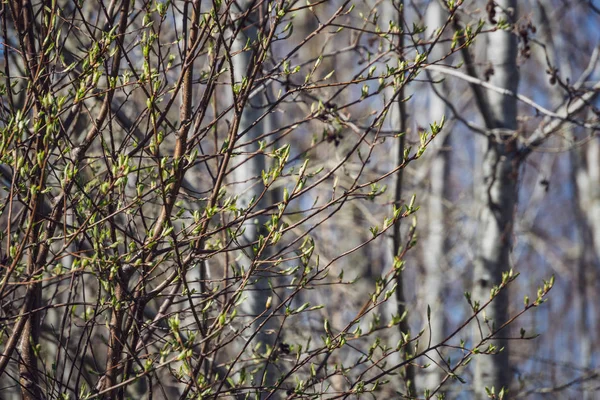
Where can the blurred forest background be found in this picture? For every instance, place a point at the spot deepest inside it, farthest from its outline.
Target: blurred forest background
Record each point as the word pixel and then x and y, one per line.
pixel 296 199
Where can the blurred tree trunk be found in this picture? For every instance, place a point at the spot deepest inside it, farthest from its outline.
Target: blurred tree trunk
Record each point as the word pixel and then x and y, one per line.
pixel 586 176
pixel 249 186
pixel 393 11
pixel 588 179
pixel 435 242
pixel 497 203
pixel 585 170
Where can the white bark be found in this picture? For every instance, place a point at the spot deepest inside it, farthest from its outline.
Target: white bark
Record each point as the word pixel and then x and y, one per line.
pixel 586 166
pixel 498 200
pixel 249 188
pixel 587 183
pixel 435 243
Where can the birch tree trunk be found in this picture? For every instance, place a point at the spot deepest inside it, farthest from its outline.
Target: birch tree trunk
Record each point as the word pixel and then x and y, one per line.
pixel 586 174
pixel 435 243
pixel 497 204
pixel 249 188
pixel 588 178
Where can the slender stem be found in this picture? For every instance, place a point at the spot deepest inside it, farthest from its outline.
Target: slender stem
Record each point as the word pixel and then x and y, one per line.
pixel 397 236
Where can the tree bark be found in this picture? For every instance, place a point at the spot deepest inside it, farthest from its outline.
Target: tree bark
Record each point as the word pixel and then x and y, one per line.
pixel 249 187
pixel 497 205
pixel 586 175
pixel 394 11
pixel 435 241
